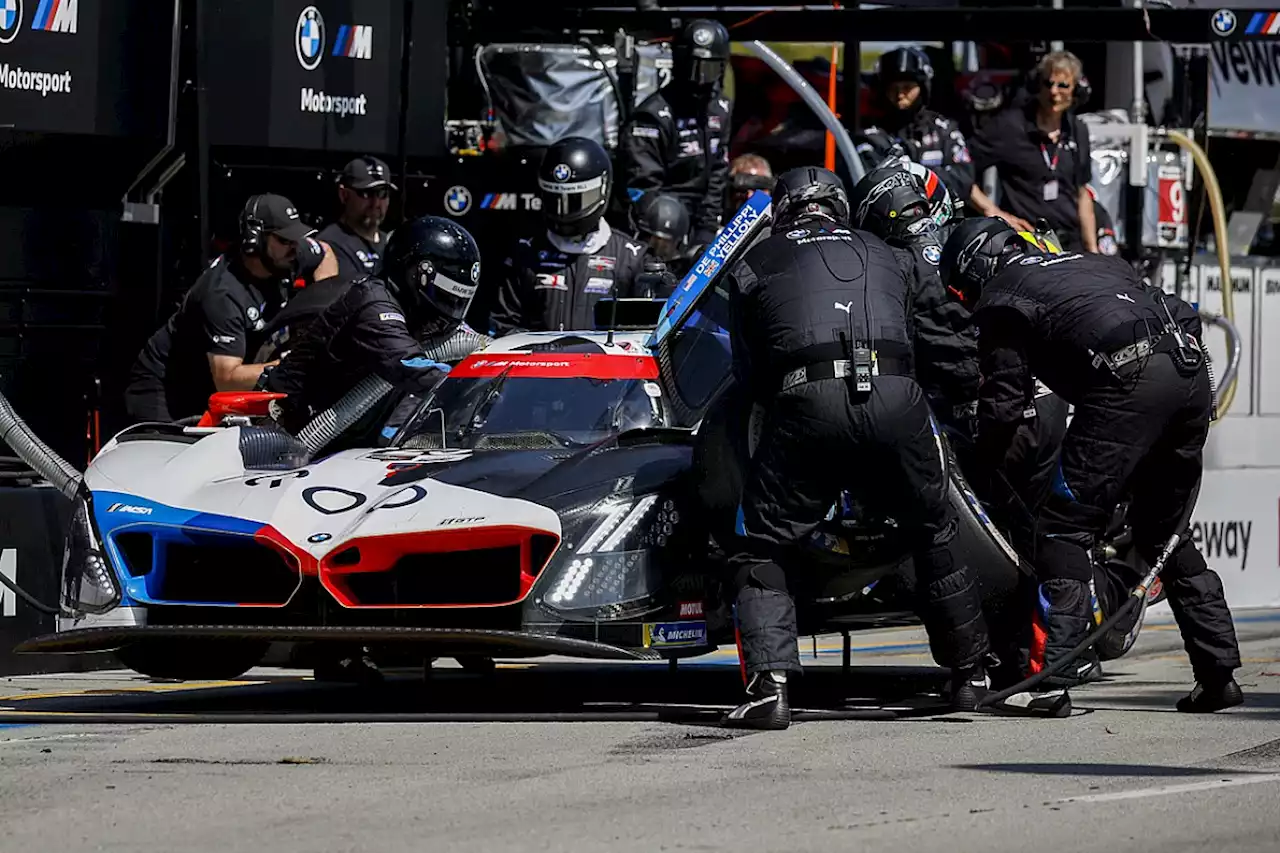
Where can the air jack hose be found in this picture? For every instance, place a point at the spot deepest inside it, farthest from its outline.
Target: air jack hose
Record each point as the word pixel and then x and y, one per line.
pixel 1136 595
pixel 15 433
pixel 337 419
pixel 458 346
pixel 1227 393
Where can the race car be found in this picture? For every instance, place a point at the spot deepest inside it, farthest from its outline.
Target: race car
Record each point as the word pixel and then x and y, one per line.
pixel 549 497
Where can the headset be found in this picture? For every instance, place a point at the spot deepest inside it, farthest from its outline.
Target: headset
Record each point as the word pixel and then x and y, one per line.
pixel 1080 96
pixel 252 228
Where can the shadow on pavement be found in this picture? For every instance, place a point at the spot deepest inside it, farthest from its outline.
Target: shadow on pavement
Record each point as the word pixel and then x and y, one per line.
pixel 691 695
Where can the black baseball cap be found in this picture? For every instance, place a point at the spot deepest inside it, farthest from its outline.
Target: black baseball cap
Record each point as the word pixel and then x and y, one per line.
pixel 280 217
pixel 365 173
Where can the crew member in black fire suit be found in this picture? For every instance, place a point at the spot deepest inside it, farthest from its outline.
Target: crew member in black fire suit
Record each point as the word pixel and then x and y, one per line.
pixel 1128 357
pixel 553 281
pixel 379 326
pixel 904 78
pixel 661 221
pixel 677 140
pixel 821 320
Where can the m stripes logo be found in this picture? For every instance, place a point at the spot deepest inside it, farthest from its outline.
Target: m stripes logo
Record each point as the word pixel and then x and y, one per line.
pixel 57 16
pixel 354 41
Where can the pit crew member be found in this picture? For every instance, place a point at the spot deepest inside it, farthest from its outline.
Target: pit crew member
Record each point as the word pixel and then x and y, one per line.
pixel 662 223
pixel 379 324
pixel 364 190
pixel 553 281
pixel 904 78
pixel 677 140
pixel 222 320
pixel 1128 357
pixel 820 320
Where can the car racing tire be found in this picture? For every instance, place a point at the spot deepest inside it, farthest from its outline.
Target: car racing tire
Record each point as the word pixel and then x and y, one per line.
pixel 193 660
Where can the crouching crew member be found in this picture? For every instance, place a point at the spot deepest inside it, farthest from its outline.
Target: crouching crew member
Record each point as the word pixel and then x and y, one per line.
pixel 1129 358
pixel 382 325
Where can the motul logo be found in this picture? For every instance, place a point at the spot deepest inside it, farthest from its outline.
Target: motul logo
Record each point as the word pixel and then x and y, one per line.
pixel 690 608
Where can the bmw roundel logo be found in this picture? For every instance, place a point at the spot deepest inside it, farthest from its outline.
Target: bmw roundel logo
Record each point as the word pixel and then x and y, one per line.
pixel 457 200
pixel 308 38
pixel 10 20
pixel 475 272
pixel 561 172
pixel 702 36
pixel 316 538
pixel 1224 22
pixel 932 254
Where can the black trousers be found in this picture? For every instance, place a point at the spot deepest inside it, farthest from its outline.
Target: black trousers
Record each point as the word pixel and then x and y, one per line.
pixel 1141 434
pixel 819 439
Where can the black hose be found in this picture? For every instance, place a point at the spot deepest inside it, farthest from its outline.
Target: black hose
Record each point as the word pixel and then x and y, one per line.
pixel 28 597
pixel 624 109
pixel 1136 595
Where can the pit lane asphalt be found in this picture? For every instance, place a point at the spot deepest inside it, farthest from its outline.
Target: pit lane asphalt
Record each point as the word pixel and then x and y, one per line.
pixel 1125 773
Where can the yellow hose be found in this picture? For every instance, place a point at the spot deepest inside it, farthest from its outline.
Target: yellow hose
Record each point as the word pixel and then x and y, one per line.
pixel 1225 395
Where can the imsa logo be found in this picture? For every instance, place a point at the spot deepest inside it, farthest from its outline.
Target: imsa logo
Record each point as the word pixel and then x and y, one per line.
pixel 130 510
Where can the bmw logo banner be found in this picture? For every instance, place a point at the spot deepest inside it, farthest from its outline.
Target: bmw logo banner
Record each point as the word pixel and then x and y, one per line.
pixel 308 74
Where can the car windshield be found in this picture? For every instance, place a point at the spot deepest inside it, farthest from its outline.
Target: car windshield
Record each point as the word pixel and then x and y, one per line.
pixel 515 401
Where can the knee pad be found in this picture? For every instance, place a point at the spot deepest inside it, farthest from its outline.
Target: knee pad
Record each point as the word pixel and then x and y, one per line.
pixel 765 576
pixel 1064 558
pixel 1185 562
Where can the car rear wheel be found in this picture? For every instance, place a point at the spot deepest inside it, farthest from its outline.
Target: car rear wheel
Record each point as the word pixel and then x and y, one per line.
pixel 193 660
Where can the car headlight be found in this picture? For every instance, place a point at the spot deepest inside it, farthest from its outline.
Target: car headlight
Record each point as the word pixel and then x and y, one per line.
pixel 606 565
pixel 88 582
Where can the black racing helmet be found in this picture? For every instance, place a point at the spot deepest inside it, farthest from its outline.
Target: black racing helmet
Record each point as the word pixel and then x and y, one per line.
pixel 890 203
pixel 662 221
pixel 906 63
pixel 807 192
pixel 975 252
pixel 433 267
pixel 574 182
pixel 701 53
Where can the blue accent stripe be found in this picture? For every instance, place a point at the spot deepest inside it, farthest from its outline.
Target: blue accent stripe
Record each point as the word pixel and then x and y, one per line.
pixel 1255 23
pixel 740 526
pixel 488 200
pixel 41 20
pixel 1060 487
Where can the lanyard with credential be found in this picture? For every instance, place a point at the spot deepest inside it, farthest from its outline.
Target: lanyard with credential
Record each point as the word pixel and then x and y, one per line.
pixel 1044 152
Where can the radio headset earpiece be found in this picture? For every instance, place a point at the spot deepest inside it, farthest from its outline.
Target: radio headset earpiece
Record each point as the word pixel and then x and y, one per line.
pixel 1080 96
pixel 251 227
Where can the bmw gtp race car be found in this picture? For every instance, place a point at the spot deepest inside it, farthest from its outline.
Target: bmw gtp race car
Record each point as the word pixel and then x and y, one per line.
pixel 549 497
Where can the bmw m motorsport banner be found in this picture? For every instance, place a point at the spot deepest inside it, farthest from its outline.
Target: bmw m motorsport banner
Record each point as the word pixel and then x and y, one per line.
pixel 85 66
pixel 315 74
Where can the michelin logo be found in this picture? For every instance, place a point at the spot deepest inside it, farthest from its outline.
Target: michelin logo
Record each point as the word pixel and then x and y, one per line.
pixel 674 635
pixel 319 102
pixel 130 510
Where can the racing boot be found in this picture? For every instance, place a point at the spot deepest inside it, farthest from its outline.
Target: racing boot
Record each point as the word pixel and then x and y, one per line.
pixel 1214 693
pixel 1068 617
pixel 767 706
pixel 971 686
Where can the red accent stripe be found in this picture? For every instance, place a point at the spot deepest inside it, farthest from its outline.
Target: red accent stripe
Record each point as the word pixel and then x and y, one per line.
pixel 1038 638
pixel 1266 27
pixel 742 659
pixel 53 14
pixel 559 366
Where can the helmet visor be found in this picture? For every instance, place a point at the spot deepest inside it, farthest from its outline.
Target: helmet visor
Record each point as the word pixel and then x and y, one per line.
pixel 569 201
pixel 706 72
pixel 451 294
